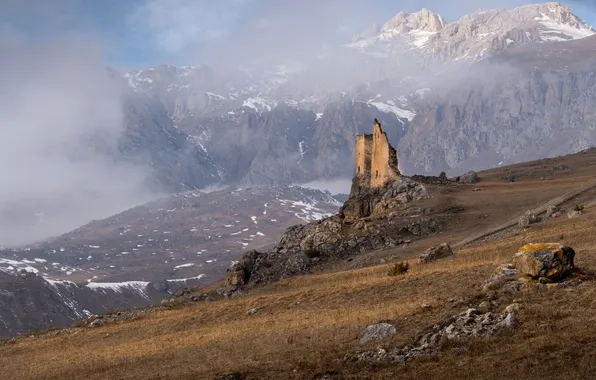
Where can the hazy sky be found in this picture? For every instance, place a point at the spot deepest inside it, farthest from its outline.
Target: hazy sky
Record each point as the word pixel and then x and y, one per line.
pixel 148 32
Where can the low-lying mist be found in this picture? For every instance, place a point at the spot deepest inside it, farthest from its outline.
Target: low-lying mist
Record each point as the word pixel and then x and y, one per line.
pixel 60 117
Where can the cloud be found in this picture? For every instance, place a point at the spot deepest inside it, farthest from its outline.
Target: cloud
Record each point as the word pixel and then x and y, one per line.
pixel 60 116
pixel 177 24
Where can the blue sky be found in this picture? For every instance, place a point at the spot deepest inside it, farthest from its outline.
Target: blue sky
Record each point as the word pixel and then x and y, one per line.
pixel 137 33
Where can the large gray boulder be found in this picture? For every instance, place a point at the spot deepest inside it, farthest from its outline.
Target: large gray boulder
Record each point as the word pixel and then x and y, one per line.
pixel 377 332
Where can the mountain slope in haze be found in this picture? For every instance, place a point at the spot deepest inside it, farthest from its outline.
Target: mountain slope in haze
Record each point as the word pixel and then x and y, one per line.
pixel 29 302
pixel 281 123
pixel 542 101
pixel 185 239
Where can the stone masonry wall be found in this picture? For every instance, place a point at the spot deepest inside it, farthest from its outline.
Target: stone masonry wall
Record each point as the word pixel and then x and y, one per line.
pixel 383 159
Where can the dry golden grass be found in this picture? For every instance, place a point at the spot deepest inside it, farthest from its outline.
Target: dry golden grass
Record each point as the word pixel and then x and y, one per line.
pixel 309 323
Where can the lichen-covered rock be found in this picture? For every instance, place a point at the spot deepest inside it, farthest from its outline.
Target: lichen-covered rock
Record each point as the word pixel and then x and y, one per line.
pixel 435 253
pixel 549 260
pixel 502 276
pixel 377 332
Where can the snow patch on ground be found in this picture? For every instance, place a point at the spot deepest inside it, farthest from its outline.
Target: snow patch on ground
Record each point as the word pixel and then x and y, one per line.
pixel 184 266
pixel 392 108
pixel 188 279
pixel 259 104
pixel 139 287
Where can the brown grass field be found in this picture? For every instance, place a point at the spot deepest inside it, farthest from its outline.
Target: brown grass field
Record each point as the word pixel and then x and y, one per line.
pixel 309 323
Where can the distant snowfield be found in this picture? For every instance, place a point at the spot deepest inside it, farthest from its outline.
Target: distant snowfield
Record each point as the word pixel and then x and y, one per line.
pixel 333 186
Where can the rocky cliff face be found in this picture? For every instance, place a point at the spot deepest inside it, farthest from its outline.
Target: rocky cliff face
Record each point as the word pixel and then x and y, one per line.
pixel 533 103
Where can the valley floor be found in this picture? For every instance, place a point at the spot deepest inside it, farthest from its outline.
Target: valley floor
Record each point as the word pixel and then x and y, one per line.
pixel 303 327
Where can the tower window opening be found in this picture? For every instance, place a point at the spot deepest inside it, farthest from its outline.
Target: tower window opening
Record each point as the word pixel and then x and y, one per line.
pixel 377 174
pixel 358 169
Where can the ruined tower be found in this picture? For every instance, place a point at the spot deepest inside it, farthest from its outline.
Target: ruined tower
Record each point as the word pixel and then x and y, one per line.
pixel 383 158
pixel 375 161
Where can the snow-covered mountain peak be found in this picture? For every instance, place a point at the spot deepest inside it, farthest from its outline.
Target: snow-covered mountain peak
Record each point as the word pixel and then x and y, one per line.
pixel 476 35
pixel 424 20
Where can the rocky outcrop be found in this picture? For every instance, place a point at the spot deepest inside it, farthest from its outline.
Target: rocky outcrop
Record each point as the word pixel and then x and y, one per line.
pixel 435 253
pixel 367 222
pixel 377 201
pixel 552 261
pixel 466 325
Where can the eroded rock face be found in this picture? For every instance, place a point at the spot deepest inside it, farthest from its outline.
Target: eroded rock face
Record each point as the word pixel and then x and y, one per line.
pixel 380 200
pixel 435 253
pixel 303 247
pixel 549 260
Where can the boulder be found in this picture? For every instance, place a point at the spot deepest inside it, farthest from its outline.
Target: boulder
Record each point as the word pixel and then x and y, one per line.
pixel 469 178
pixel 377 332
pixel 549 260
pixel 552 211
pixel 435 253
pixel 527 219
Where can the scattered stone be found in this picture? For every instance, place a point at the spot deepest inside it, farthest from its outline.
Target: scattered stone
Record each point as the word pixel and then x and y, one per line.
pixel 551 210
pixel 95 323
pixel 377 332
pixel 513 308
pixel 509 320
pixel 527 219
pixel 574 213
pixel 471 323
pixel 560 167
pixel 552 261
pixel 511 179
pixel 254 310
pixel 502 275
pixel 484 306
pixel 435 253
pixel 167 301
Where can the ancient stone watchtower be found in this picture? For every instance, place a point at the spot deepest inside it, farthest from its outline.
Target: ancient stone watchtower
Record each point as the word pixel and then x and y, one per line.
pixel 375 161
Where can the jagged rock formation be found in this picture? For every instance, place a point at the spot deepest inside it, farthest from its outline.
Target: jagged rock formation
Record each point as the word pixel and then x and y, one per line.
pixel 377 201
